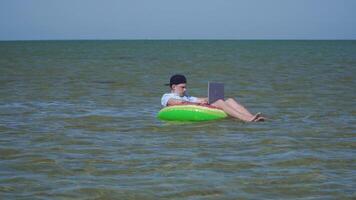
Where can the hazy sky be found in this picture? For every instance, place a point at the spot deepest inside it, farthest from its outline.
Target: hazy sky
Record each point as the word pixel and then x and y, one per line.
pixel 177 19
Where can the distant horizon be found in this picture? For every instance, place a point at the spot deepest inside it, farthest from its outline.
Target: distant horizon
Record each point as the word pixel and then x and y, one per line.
pixel 35 40
pixel 34 20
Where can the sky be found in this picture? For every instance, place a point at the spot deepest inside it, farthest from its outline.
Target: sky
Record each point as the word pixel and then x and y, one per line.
pixel 177 19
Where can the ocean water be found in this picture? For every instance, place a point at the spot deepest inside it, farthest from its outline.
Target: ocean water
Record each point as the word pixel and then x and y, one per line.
pixel 78 120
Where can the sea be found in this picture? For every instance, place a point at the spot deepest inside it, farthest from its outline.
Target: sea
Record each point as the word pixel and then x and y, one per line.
pixel 78 120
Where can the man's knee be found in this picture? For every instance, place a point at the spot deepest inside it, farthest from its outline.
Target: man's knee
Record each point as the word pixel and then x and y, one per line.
pixel 230 99
pixel 219 102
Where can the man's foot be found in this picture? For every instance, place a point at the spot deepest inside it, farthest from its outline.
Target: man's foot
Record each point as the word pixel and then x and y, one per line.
pixel 260 119
pixel 255 117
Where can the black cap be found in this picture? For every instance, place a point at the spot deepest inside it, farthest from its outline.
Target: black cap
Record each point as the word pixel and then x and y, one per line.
pixel 177 79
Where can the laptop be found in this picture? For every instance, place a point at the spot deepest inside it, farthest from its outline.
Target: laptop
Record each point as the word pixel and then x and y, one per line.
pixel 215 92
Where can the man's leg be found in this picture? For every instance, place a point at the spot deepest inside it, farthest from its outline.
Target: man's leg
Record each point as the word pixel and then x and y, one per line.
pixel 234 113
pixel 238 107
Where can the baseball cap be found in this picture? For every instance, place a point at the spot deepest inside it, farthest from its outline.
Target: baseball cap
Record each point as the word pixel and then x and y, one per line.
pixel 177 79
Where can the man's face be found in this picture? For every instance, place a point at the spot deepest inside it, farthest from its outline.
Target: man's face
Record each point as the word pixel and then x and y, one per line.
pixel 179 89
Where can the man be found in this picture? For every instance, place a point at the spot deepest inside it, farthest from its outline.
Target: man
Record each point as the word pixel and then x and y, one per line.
pixel 178 96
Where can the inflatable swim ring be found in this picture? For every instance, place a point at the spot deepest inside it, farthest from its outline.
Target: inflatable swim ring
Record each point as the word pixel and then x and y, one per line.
pixel 191 113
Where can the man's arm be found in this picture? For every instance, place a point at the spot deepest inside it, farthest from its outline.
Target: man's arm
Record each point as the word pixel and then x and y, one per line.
pixel 174 102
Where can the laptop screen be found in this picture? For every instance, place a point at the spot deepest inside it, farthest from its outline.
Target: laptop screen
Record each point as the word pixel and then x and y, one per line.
pixel 215 92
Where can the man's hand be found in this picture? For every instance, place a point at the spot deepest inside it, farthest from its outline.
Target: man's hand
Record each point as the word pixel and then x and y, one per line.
pixel 203 101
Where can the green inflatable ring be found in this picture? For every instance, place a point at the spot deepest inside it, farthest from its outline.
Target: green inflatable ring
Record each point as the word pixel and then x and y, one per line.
pixel 191 113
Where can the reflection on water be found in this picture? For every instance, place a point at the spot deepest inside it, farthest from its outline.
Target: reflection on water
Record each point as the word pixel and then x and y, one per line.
pixel 78 120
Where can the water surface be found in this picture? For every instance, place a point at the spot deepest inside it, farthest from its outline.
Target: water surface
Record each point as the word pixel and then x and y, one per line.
pixel 78 120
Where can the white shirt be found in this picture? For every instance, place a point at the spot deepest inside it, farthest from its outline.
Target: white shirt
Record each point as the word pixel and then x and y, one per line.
pixel 168 96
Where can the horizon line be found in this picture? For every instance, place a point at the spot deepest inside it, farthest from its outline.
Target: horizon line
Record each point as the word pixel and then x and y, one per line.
pixel 172 39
